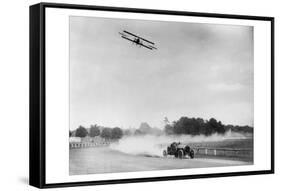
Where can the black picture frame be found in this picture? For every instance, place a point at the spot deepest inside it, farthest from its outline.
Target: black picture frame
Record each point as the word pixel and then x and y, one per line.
pixel 37 160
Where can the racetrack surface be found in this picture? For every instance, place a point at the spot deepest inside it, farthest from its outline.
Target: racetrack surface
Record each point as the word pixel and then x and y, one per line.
pixel 105 160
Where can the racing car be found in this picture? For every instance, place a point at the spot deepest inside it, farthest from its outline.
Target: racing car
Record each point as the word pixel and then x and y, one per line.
pixel 179 151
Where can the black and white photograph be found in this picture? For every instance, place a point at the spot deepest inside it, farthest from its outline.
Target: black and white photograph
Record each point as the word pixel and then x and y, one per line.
pixel 148 95
pixel 140 95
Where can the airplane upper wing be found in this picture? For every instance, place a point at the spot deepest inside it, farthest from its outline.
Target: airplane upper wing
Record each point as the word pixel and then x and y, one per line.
pixel 138 37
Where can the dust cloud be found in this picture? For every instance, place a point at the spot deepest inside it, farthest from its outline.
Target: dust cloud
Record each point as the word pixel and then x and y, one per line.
pixel 152 145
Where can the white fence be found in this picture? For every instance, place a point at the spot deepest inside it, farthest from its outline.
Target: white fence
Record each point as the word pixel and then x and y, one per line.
pixel 86 145
pixel 223 151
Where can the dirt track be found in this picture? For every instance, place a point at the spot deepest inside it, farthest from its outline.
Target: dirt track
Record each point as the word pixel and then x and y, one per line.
pixel 106 160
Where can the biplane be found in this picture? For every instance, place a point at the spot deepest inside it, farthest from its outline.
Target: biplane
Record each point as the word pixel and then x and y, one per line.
pixel 137 40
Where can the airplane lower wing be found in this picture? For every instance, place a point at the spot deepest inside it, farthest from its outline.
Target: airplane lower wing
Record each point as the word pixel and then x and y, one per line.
pixel 153 47
pixel 127 38
pixel 146 46
pixel 135 42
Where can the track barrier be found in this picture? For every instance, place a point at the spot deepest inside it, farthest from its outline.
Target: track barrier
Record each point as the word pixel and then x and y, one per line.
pixel 223 151
pixel 87 145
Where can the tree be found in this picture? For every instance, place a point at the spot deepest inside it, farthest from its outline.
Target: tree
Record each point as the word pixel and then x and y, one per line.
pixel 116 133
pixel 128 132
pixel 106 133
pixel 94 131
pixel 145 128
pixel 138 132
pixel 198 126
pixel 81 132
pixel 166 121
pixel 169 130
pixel 217 127
pixel 186 125
pixel 240 129
pixel 69 133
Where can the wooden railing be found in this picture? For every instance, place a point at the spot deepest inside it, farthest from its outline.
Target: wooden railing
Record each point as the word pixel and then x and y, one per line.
pixel 86 145
pixel 223 151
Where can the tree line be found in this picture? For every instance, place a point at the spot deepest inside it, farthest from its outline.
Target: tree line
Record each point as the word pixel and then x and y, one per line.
pixel 183 126
pixel 199 126
pixel 94 130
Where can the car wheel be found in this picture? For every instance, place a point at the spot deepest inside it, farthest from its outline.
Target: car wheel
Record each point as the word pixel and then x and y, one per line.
pixel 164 153
pixel 192 154
pixel 180 154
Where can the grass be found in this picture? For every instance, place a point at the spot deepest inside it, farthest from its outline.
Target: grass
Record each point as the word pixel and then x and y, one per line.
pixel 239 144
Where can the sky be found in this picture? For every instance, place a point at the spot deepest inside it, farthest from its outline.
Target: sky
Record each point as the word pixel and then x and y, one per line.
pixel 198 70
